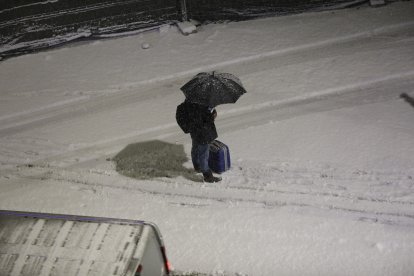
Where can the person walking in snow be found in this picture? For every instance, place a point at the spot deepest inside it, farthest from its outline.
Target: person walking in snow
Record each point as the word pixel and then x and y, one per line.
pixel 196 114
pixel 203 131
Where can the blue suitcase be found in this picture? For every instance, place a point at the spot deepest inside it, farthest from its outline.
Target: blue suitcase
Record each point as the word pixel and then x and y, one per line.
pixel 219 157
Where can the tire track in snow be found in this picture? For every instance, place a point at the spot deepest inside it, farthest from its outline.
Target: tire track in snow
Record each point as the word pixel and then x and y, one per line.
pixel 384 89
pixel 253 115
pixel 353 203
pixel 78 107
pixel 322 49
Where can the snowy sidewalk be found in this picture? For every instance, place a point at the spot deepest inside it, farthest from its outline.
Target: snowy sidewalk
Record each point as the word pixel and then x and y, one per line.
pixel 72 74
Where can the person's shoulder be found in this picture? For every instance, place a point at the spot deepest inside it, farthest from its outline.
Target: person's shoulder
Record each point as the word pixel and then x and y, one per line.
pixel 195 105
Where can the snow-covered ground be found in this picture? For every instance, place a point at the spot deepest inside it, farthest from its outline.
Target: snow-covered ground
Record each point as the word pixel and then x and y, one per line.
pixel 322 144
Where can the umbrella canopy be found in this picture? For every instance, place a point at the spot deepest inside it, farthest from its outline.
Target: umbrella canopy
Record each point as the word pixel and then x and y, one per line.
pixel 212 89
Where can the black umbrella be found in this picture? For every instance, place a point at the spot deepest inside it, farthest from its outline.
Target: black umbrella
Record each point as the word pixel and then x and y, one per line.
pixel 212 89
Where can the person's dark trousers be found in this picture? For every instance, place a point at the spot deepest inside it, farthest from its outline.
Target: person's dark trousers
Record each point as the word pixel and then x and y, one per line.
pixel 199 156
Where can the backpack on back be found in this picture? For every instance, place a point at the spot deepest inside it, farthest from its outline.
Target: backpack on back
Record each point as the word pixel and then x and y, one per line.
pixel 183 118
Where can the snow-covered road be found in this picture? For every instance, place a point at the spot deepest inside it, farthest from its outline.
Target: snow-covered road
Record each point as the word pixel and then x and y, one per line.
pixel 322 144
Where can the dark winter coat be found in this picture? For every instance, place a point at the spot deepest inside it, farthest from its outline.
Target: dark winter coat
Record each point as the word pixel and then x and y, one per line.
pixel 202 127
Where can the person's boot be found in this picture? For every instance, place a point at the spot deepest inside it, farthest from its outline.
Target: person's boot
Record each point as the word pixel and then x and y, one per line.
pixel 210 178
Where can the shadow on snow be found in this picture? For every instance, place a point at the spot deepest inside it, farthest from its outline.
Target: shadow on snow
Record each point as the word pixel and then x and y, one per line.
pixel 153 159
